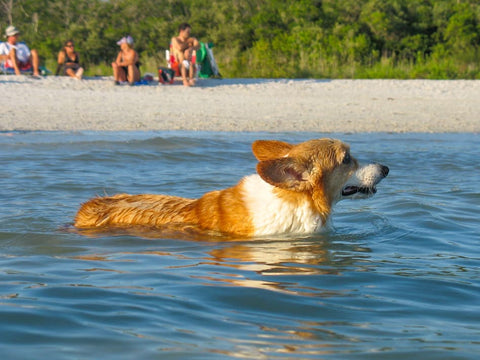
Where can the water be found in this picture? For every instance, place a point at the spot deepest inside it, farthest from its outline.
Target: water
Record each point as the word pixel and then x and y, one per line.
pixel 395 277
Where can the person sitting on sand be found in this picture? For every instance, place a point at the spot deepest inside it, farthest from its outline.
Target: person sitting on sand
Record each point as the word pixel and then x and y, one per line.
pixel 17 55
pixel 125 67
pixel 183 47
pixel 69 60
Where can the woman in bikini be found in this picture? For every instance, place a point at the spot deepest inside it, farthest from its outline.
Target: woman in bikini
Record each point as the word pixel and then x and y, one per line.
pixel 125 67
pixel 69 60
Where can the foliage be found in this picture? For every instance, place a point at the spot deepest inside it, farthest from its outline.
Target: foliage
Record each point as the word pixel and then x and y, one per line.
pixel 267 38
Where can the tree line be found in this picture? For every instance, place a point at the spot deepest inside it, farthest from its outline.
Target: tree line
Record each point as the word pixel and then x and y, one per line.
pixel 267 38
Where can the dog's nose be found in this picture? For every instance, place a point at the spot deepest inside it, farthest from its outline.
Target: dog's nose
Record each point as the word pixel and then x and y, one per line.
pixel 384 170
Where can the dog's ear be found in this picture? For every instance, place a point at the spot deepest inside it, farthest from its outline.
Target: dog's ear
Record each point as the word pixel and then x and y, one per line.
pixel 285 173
pixel 270 149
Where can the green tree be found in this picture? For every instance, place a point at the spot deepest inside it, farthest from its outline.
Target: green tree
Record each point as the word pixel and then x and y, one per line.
pixel 267 38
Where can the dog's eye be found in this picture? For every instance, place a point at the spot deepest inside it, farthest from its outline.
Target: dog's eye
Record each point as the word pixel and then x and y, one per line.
pixel 347 159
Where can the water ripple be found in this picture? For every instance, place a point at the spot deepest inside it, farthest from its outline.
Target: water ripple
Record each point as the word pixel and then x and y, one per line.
pixel 395 276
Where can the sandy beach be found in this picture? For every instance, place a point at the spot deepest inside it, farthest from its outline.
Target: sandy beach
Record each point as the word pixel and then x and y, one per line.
pixel 61 103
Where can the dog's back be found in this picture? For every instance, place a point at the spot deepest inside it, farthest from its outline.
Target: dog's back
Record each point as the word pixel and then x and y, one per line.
pixel 221 211
pixel 125 210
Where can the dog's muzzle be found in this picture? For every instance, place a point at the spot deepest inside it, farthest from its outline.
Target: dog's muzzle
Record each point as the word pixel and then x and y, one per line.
pixel 364 180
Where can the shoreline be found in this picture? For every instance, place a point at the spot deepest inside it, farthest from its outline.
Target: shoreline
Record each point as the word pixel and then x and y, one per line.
pixel 241 105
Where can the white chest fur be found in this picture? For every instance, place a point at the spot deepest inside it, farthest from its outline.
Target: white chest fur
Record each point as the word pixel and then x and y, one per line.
pixel 273 215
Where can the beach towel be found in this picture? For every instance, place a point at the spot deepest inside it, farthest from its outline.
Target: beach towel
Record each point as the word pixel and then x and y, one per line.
pixel 206 61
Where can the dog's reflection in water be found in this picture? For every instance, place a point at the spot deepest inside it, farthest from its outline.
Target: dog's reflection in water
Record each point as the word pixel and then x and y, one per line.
pixel 268 258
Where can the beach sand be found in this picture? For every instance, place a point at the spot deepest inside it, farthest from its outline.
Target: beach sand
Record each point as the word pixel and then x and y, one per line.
pixel 273 105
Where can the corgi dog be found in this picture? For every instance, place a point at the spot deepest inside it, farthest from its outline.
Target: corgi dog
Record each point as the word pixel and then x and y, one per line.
pixel 293 192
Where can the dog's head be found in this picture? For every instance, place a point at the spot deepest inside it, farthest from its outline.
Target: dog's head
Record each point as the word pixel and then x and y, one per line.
pixel 323 169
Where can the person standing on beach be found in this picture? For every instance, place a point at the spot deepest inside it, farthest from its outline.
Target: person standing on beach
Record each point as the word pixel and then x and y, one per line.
pixel 125 67
pixel 183 47
pixel 69 60
pixel 17 55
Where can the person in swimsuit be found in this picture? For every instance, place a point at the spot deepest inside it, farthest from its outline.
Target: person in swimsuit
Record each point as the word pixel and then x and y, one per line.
pixel 69 60
pixel 183 47
pixel 125 67
pixel 17 55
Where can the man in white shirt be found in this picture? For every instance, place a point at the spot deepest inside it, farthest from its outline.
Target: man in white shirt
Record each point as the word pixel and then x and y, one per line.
pixel 17 55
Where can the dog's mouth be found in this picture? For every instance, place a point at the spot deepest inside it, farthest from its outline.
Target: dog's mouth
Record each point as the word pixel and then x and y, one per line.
pixel 351 190
pixel 362 183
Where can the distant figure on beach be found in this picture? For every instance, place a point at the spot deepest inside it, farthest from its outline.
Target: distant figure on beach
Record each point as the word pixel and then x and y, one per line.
pixel 183 47
pixel 17 55
pixel 125 67
pixel 69 61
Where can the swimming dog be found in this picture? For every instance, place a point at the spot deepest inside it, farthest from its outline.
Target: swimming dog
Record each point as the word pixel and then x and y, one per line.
pixel 293 192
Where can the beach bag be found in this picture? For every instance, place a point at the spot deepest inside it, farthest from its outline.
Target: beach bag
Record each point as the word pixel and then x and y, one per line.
pixel 165 75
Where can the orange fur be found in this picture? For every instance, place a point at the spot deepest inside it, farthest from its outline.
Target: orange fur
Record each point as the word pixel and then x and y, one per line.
pixel 217 210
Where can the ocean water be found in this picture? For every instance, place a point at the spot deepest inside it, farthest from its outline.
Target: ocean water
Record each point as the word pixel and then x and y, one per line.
pixel 394 277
